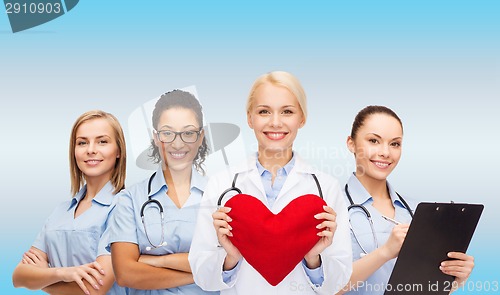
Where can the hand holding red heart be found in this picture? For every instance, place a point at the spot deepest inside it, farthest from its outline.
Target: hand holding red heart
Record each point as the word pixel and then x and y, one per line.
pixel 329 225
pixel 274 243
pixel 223 229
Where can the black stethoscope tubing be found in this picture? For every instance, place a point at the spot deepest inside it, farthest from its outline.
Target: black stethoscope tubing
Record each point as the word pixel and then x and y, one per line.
pixel 234 188
pixel 160 208
pixel 369 216
pixel 346 189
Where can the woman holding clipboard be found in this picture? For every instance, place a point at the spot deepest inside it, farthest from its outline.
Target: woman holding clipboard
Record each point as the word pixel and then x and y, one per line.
pixel 276 176
pixel 378 215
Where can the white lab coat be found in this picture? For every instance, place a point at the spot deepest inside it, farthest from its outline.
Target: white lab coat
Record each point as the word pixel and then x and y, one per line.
pixel 206 258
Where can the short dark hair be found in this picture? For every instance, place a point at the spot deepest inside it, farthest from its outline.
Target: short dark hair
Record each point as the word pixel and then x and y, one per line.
pixel 361 117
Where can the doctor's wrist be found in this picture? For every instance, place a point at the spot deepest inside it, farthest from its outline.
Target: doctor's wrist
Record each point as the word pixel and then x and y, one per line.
pixel 230 262
pixel 313 262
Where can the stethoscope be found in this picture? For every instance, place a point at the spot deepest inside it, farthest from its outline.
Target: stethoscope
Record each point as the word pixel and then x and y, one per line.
pixel 369 217
pixel 235 189
pixel 160 209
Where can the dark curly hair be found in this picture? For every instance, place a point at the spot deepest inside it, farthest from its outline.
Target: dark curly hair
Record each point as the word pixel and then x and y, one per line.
pixel 180 99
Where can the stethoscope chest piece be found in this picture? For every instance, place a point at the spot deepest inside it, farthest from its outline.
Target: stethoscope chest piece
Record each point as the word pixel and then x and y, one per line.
pixel 150 202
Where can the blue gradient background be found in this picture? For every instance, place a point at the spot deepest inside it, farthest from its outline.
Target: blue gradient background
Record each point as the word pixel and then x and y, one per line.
pixel 436 63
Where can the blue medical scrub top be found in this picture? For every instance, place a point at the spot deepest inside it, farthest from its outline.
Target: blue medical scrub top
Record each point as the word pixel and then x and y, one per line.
pixel 70 241
pixel 178 225
pixel 376 283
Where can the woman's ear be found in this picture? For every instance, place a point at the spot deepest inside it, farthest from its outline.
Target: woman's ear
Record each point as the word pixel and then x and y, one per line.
pixel 350 144
pixel 155 138
pixel 303 122
pixel 249 120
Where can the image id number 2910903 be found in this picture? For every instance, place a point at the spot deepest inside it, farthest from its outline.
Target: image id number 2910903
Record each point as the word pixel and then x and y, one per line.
pixel 33 8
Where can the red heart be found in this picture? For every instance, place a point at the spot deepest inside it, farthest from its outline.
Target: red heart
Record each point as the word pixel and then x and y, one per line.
pixel 274 244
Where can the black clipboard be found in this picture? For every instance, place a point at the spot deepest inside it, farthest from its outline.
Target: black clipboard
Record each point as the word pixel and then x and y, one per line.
pixel 436 229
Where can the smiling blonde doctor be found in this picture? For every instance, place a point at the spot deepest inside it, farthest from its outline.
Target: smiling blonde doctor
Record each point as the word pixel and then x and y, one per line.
pixel 276 175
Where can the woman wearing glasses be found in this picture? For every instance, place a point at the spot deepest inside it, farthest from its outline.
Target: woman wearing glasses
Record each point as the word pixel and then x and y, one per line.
pixel 69 255
pixel 376 142
pixel 153 224
pixel 276 175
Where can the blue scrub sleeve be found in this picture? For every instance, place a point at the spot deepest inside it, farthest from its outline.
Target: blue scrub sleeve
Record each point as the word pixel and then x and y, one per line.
pixel 104 241
pixel 315 275
pixel 228 275
pixel 122 223
pixel 39 242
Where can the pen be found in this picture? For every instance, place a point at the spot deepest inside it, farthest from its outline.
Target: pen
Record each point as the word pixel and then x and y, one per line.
pixel 391 220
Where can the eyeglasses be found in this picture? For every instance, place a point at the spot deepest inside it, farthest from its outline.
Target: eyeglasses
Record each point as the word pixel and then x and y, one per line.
pixel 188 136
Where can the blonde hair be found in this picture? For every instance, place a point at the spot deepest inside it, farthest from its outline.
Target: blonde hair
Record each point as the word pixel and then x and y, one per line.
pixel 281 79
pixel 119 173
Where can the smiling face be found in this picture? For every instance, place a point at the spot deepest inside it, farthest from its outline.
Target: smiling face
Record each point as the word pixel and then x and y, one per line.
pixel 96 149
pixel 178 155
pixel 275 117
pixel 376 146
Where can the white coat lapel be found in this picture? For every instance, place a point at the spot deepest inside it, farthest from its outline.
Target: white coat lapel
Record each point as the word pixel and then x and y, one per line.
pixel 249 180
pixel 291 181
pixel 296 176
pixel 256 184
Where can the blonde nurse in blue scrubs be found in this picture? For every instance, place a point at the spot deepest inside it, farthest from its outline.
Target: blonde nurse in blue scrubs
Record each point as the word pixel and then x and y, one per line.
pixel 69 255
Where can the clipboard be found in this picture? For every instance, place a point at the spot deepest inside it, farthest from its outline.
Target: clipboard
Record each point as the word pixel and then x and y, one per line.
pixel 436 229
